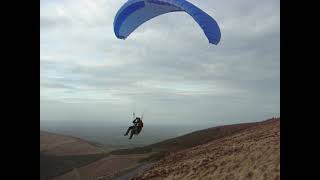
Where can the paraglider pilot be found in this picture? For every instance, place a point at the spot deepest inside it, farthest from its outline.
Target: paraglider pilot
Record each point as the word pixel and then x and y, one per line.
pixel 136 128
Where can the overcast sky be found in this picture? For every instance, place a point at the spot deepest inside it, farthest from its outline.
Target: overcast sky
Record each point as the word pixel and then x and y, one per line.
pixel 166 67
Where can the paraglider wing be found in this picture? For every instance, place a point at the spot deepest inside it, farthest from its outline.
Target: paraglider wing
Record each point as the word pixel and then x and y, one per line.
pixel 136 12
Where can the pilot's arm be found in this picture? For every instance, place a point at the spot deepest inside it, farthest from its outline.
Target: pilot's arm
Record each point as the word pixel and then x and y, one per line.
pixel 134 121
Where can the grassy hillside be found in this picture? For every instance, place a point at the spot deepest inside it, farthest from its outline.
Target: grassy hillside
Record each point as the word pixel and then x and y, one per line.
pixel 253 153
pixel 186 141
pixel 60 153
pixel 51 166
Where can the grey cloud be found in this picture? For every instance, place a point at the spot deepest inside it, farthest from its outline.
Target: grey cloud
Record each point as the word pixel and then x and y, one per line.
pixel 166 51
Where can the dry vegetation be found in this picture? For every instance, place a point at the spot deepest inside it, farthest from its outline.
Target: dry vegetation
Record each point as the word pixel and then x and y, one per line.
pixel 60 154
pixel 253 153
pixel 240 151
pixel 186 141
pixel 61 145
pixel 106 167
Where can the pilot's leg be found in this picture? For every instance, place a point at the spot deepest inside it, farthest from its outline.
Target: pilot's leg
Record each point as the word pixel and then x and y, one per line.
pixel 130 128
pixel 131 134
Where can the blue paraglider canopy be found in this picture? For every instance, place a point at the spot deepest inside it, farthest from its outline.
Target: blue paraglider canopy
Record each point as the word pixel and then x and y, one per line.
pixel 135 12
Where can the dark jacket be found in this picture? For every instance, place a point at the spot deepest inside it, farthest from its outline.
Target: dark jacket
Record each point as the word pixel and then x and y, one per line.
pixel 138 122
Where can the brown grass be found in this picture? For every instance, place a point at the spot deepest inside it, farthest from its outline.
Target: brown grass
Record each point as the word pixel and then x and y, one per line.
pixel 107 167
pixel 253 153
pixel 61 145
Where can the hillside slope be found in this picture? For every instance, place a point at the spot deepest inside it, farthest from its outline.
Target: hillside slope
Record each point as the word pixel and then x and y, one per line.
pixel 60 154
pixel 123 161
pixel 187 141
pixel 253 153
pixel 61 145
